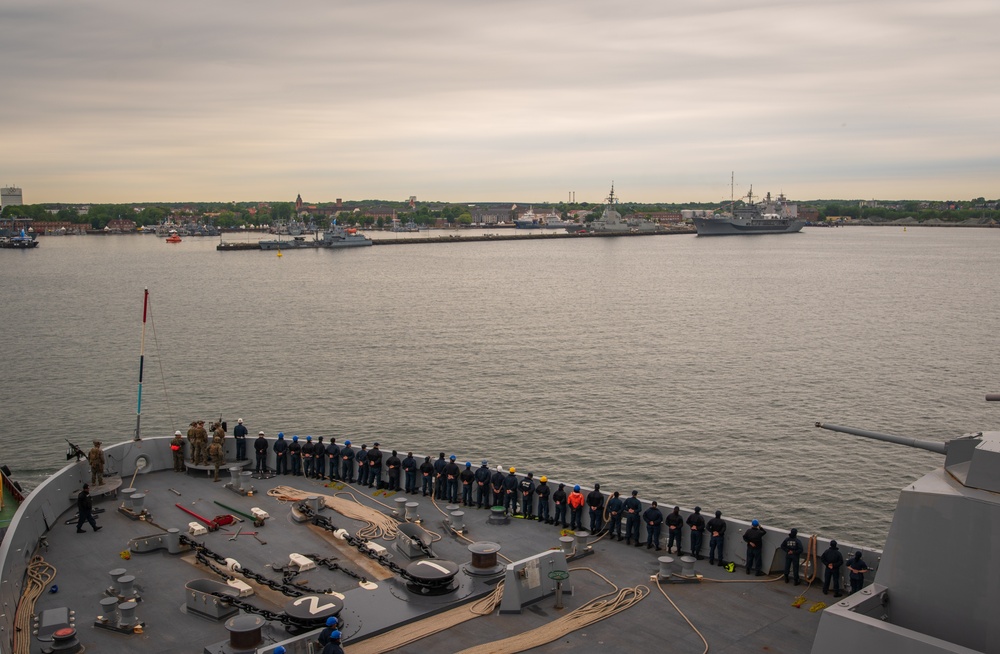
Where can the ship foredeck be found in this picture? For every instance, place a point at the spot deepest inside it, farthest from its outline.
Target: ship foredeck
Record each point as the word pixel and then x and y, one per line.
pixel 734 612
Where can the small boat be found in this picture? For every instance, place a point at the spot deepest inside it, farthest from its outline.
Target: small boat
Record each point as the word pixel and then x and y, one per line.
pixel 174 237
pixel 21 242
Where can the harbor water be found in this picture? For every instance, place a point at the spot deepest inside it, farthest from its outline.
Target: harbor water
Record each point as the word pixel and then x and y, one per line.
pixel 690 369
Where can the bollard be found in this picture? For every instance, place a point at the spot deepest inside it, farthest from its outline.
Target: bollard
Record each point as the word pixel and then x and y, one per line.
pixel 234 472
pixel 567 544
pixel 581 540
pixel 126 586
pixel 687 566
pixel 245 486
pixel 400 510
pixel 314 503
pixel 126 494
pixel 666 566
pixel 172 539
pixel 458 520
pixel 126 612
pixel 138 499
pixel 411 511
pixel 114 574
pixel 109 610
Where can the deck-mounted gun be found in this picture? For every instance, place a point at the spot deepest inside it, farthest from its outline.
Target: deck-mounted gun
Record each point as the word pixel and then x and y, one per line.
pixel 917 604
pixel 73 450
pixel 933 446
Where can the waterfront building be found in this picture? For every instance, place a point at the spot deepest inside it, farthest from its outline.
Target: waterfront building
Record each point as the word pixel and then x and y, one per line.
pixel 10 196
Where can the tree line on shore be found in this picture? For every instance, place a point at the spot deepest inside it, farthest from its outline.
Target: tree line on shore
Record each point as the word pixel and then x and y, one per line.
pixel 236 214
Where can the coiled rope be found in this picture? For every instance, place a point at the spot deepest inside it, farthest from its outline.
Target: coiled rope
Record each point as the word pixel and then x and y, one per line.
pixel 377 524
pixel 39 575
pixel 596 610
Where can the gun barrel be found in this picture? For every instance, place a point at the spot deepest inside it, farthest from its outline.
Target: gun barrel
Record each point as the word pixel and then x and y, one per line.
pixel 993 397
pixel 932 446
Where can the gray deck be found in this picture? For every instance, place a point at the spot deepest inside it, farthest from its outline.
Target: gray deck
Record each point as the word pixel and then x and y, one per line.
pixel 745 614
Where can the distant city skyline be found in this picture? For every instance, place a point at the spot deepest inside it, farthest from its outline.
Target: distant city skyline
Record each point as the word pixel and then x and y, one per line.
pixel 455 102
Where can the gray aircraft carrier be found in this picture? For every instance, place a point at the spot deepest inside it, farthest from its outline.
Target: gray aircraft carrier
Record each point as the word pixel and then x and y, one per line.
pixel 253 562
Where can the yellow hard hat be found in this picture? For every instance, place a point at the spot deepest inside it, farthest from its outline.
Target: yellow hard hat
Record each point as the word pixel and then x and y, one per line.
pixel 543 478
pixel 512 470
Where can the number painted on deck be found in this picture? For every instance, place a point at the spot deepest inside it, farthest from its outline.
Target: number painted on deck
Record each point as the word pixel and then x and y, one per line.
pixel 314 605
pixel 439 568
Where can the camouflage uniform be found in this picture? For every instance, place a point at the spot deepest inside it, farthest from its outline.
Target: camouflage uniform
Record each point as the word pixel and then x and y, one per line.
pixel 218 435
pixel 177 449
pixel 96 459
pixel 192 436
pixel 215 451
pixel 200 455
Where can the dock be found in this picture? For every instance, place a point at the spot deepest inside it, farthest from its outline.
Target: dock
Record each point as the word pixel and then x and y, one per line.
pixel 476 238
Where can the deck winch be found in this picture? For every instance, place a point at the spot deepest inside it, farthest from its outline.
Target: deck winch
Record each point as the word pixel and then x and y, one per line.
pixel 431 577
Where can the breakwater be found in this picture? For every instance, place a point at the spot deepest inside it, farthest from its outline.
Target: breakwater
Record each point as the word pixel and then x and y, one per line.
pixel 470 238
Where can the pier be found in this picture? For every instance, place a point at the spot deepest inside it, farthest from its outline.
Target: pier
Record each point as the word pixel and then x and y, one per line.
pixel 474 238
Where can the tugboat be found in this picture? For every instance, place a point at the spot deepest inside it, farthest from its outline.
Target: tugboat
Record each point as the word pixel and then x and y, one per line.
pixel 174 237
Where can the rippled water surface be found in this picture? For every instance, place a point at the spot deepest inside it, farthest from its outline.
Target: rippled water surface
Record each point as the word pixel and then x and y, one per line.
pixel 691 369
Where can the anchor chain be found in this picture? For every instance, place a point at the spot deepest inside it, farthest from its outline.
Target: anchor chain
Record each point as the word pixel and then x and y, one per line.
pixel 357 543
pixel 271 616
pixel 203 554
pixel 331 564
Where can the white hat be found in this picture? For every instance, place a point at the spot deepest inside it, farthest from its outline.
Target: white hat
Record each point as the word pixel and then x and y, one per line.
pixel 177 433
pixel 499 468
pixel 240 421
pixel 260 433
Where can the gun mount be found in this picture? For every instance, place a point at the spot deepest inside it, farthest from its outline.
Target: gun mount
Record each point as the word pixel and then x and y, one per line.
pixel 915 605
pixel 932 446
pixel 73 450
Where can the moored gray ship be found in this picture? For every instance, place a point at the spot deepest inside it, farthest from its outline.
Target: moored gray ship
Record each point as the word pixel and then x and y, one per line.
pixel 775 216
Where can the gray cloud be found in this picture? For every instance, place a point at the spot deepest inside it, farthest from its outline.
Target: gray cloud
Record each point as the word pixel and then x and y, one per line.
pixel 451 100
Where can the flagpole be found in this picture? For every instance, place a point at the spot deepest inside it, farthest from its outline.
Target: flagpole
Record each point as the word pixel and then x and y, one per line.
pixel 142 357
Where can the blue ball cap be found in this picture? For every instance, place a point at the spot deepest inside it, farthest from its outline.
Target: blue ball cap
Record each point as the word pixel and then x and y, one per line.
pixel 331 621
pixel 755 523
pixel 347 442
pixel 335 634
pixel 295 438
pixel 485 462
pixel 309 438
pixel 281 435
pixel 577 487
pixel 280 650
pixel 468 464
pixel 452 457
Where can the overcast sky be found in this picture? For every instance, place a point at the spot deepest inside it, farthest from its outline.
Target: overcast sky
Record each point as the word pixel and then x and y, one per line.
pixel 466 100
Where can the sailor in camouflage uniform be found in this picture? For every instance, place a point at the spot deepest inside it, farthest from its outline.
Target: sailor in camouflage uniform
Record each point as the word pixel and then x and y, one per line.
pixel 96 459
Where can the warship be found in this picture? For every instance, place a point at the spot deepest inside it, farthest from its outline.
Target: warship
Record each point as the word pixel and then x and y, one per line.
pixel 612 222
pixel 262 560
pixel 333 238
pixel 771 216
